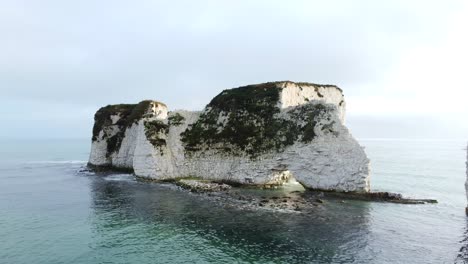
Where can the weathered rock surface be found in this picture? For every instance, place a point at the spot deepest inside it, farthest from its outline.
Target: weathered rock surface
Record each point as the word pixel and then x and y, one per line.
pixel 202 186
pixel 254 135
pixel 382 197
pixel 287 199
pixel 466 182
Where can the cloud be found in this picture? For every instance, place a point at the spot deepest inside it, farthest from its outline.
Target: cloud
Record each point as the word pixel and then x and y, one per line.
pixel 66 56
pixel 429 79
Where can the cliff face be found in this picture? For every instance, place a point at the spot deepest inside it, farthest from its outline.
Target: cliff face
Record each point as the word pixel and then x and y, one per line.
pixel 257 134
pixel 466 183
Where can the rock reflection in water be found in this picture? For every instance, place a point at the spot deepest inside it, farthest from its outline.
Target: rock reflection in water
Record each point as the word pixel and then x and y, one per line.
pixel 148 217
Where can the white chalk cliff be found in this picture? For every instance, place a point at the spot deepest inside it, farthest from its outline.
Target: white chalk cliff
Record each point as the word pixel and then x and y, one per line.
pixel 466 182
pixel 255 135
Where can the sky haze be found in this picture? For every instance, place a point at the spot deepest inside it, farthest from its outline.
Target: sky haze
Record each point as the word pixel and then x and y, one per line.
pixel 402 64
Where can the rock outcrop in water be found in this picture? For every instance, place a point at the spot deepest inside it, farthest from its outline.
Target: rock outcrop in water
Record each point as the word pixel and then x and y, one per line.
pixel 254 135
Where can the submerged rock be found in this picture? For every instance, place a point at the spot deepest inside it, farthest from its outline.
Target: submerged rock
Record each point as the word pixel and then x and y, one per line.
pixel 259 135
pixel 282 200
pixel 382 197
pixel 202 186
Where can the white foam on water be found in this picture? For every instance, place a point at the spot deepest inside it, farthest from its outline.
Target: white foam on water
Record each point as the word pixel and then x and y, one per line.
pixel 120 177
pixel 58 162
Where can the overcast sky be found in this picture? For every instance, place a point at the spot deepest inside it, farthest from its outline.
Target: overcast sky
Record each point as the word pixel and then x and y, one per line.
pixel 403 65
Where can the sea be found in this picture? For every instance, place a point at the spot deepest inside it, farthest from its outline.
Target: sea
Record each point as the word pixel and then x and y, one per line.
pixel 52 210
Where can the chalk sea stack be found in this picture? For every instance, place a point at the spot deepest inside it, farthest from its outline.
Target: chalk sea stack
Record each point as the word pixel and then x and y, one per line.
pixel 262 134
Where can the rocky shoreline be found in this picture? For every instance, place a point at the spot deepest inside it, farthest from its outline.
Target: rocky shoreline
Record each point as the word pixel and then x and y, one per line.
pixel 384 197
pixel 281 198
pixel 200 186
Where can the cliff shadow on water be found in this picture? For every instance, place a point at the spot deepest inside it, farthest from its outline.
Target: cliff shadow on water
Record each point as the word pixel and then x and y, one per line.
pixel 187 225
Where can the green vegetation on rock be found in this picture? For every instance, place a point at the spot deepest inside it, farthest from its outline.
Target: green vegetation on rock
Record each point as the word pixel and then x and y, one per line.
pixel 176 119
pixel 247 110
pixel 156 133
pixel 129 114
pixel 237 121
pixel 246 120
pixel 102 118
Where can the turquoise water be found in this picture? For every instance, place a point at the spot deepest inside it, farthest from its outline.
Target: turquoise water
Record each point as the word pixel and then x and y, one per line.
pixel 50 212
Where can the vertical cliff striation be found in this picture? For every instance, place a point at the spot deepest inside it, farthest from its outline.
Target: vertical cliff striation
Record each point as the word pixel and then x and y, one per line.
pixel 466 182
pixel 256 135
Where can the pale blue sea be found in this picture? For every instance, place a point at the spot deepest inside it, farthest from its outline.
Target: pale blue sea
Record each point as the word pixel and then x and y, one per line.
pixel 50 212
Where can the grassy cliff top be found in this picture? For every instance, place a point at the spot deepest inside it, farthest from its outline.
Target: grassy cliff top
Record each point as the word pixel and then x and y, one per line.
pixel 245 120
pixel 251 97
pixel 129 114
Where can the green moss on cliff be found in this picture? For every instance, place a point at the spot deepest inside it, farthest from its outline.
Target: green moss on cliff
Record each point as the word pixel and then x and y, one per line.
pixel 246 110
pixel 252 98
pixel 102 118
pixel 237 121
pixel 137 113
pixel 114 142
pixel 156 133
pixel 307 116
pixel 129 114
pixel 249 122
pixel 176 119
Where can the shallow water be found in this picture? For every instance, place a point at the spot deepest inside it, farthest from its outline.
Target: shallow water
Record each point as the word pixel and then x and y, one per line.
pixel 52 213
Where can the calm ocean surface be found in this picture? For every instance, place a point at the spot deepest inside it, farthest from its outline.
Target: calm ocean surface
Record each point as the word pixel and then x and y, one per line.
pixel 52 213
